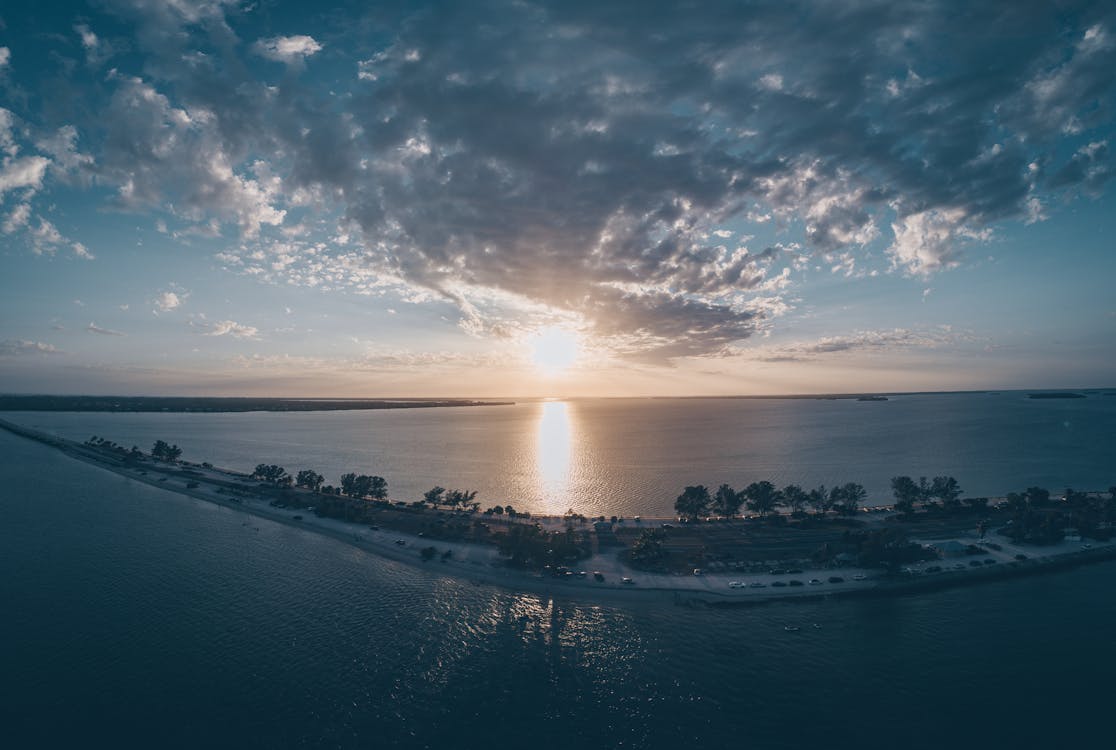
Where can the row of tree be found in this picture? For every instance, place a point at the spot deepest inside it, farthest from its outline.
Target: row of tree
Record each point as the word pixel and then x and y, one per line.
pixel 1038 518
pixel 764 498
pixel 362 487
pixel 452 498
pixel 908 493
pixel 161 451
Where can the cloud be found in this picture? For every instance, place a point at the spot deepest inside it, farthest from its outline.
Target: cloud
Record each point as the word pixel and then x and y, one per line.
pixel 227 328
pixel 17 218
pixel 25 172
pixel 159 155
pixel 571 159
pixel 928 241
pixel 5 57
pixel 94 328
pixel 167 301
pixel 81 251
pixel 287 49
pixel 16 347
pixel 62 145
pixel 860 341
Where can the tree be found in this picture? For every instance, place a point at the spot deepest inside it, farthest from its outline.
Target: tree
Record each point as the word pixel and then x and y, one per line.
pixel 906 493
pixel 377 488
pixel 763 497
pixel 693 502
pixel 848 498
pixel 648 546
pixel 309 479
pixel 164 452
pixel 727 501
pixel 1037 497
pixel 272 473
pixel 364 486
pixel 818 498
pixel 977 503
pixel 795 498
pixel 433 497
pixel 947 490
pixel 463 498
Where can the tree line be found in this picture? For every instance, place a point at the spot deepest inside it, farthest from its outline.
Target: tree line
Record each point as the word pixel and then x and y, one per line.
pixel 764 498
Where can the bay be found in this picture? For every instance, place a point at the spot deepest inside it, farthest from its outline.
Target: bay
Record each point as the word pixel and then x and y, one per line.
pixel 634 456
pixel 135 617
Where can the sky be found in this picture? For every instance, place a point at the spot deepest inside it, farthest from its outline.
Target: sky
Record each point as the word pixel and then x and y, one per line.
pixel 261 197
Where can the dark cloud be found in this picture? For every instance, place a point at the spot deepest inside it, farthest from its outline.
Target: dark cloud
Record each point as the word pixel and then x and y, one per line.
pixel 861 341
pixel 578 155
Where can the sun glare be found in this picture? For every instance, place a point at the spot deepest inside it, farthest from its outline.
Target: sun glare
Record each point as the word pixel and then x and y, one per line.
pixel 554 350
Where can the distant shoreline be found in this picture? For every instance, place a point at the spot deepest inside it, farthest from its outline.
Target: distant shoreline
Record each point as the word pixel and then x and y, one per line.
pixel 482 564
pixel 211 405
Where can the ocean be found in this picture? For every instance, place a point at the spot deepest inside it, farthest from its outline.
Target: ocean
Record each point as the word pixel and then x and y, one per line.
pixel 634 456
pixel 135 617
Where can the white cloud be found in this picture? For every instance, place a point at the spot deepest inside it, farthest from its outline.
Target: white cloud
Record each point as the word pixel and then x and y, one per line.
pixel 63 147
pixel 18 218
pixel 45 238
pixel 14 347
pixel 25 172
pixel 94 328
pixel 5 57
pixel 771 82
pixel 228 328
pixel 287 49
pixel 167 301
pixel 929 241
pixel 82 251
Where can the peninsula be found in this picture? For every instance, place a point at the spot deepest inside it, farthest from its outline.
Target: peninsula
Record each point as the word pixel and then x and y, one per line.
pixel 214 404
pixel 848 550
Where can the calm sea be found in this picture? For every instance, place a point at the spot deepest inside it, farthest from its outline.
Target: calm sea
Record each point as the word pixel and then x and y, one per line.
pixel 627 456
pixel 135 618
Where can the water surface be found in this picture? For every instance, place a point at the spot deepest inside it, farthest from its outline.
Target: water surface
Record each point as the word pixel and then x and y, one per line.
pixel 137 618
pixel 634 456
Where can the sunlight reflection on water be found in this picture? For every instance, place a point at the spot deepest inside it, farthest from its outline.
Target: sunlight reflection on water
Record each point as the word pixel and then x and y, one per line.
pixel 554 447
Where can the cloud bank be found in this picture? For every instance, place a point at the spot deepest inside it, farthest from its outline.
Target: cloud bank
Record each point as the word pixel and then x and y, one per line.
pixel 584 159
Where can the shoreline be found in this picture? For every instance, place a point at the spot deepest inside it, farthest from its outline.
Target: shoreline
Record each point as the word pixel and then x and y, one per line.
pixel 482 564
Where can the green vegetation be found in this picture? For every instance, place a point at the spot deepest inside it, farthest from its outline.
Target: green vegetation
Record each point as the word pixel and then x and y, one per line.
pixel 817 524
pixel 309 479
pixel 764 499
pixel 163 452
pixel 530 546
pixel 1038 519
pixel 694 502
pixel 272 474
pixel 363 486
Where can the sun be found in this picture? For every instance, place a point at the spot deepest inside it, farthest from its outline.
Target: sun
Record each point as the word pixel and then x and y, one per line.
pixel 554 350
